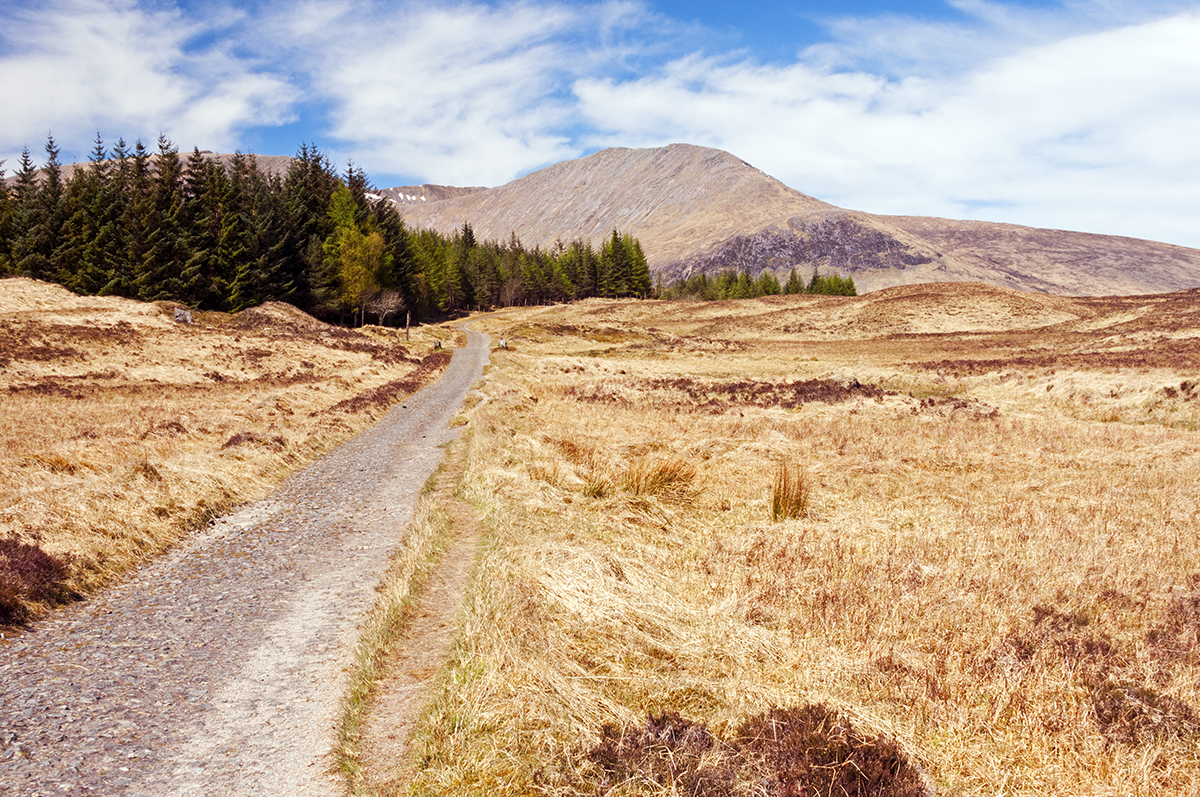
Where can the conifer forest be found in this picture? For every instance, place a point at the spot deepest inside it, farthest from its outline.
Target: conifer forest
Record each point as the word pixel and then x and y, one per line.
pixel 223 234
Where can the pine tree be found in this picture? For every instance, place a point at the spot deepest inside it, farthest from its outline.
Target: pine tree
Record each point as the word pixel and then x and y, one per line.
pixel 111 247
pixel 794 283
pixel 358 185
pixel 589 280
pixel 235 239
pixel 159 275
pixel 402 269
pixel 270 269
pixel 308 189
pixel 52 212
pixel 640 281
pixel 742 287
pixel 561 289
pixel 615 268
pixel 327 285
pixel 202 225
pixel 36 216
pixel 84 230
pixel 484 267
pixel 766 284
pixel 22 241
pixel 6 222
pixel 134 184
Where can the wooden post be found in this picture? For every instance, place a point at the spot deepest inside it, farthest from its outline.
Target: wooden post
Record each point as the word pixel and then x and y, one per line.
pixel 407 321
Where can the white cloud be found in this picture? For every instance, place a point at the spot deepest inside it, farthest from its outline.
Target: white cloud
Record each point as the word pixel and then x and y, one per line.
pixel 466 94
pixel 1081 114
pixel 75 67
pixel 462 93
pixel 1081 132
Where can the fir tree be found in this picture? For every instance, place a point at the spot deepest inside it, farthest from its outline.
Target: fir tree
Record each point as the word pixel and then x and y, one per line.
pixel 202 191
pixel 84 230
pixel 111 248
pixel 615 268
pixel 52 212
pixel 6 222
pixel 135 185
pixel 401 271
pixel 794 283
pixel 742 288
pixel 159 275
pixel 640 282
pixel 766 284
pixel 308 189
pixel 235 239
pixel 22 243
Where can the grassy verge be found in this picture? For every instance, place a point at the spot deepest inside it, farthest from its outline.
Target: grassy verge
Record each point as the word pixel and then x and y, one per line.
pixel 399 594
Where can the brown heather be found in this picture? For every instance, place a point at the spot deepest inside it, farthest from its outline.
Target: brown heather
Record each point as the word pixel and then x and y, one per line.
pixel 994 588
pixel 121 430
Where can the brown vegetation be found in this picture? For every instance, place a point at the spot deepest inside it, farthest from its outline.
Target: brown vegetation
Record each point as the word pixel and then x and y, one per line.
pixel 121 429
pixel 807 750
pixel 993 577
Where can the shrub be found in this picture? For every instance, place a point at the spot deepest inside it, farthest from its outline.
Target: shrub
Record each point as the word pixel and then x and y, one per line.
pixel 793 752
pixel 28 575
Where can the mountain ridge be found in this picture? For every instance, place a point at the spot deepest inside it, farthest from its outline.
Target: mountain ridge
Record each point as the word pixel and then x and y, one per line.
pixel 703 210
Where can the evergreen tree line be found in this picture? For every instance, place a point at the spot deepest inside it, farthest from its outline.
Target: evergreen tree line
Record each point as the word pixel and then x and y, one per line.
pixel 732 284
pixel 154 225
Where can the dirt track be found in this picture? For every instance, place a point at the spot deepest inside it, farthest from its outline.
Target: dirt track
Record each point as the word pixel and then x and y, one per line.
pixel 218 669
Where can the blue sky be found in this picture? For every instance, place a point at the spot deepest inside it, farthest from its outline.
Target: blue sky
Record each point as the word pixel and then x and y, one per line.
pixel 1079 114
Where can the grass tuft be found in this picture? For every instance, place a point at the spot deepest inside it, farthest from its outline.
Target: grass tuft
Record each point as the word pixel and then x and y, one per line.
pixel 790 498
pixel 670 477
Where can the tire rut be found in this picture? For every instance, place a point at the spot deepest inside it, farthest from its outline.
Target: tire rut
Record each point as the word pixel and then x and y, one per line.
pixel 217 669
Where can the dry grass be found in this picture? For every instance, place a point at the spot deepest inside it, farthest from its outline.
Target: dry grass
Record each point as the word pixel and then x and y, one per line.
pixel 121 430
pixel 790 498
pixel 988 577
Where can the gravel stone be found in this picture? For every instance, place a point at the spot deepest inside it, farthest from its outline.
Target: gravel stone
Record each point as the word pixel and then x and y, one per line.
pixel 218 667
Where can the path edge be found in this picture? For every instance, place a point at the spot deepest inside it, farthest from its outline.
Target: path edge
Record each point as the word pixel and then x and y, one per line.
pixel 429 536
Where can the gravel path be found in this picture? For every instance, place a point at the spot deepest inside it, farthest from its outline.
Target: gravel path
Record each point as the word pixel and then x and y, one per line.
pixel 218 669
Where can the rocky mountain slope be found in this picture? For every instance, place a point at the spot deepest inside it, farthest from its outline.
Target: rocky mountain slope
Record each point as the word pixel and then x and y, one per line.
pixel 697 209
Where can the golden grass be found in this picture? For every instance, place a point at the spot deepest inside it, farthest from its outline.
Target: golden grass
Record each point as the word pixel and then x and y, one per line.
pixel 986 574
pixel 121 430
pixel 789 499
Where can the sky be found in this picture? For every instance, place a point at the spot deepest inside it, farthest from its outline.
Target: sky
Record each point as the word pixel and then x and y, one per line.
pixel 1069 114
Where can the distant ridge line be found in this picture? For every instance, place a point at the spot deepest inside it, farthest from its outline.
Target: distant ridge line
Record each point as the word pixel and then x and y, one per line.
pixel 698 210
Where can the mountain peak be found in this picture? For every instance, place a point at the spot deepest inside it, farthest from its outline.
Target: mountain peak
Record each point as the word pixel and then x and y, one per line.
pixel 664 195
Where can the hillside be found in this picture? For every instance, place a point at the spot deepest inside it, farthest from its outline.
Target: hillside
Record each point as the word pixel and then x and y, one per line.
pixel 696 209
pixel 123 430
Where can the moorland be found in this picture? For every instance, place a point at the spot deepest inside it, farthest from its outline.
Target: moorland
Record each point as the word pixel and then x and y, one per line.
pixel 935 536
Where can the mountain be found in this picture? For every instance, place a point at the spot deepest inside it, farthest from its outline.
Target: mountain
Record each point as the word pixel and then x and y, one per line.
pixel 702 210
